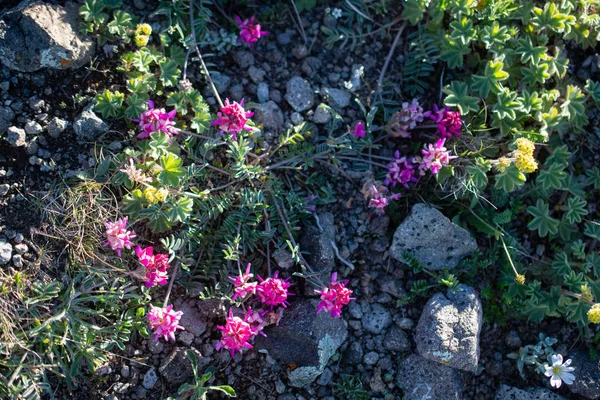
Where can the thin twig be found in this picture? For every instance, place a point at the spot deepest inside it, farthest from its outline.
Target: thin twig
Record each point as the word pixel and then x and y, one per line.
pixel 389 56
pixel 299 22
pixel 195 45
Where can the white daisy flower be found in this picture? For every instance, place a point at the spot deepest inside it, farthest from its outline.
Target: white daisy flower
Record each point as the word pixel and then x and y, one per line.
pixel 559 371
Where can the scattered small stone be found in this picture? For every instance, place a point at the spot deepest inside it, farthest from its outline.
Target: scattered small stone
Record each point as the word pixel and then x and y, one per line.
pixel 513 340
pixel 17 260
pixel 256 74
pixel 16 137
pixel 406 324
pixel 105 370
pixel 353 354
pixel 449 328
pixel 150 379
pixel 321 115
pixel 355 310
pixel 423 379
pixel 396 340
pixel 244 59
pixel 21 248
pixel 325 377
pixel 155 347
pixel 340 99
pixel 296 118
pixel 284 259
pixel 33 147
pixel 221 81
pixel 33 128
pixel 177 367
pixel 432 238
pixel 4 188
pixel 19 238
pixel 376 319
pixel 262 92
pixel 299 94
pixel 270 116
pixel 186 338
pixel 506 392
pixel 191 320
pixel 88 125
pixel 125 371
pixel 300 51
pixel 56 126
pixel 371 358
pixel 6 117
pixel 284 38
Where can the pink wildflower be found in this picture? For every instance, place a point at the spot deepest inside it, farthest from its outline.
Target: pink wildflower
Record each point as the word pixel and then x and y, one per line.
pixel 448 122
pixel 378 200
pixel 401 170
pixel 156 120
pixel 156 266
pixel 233 118
pixel 334 297
pixel 406 119
pixel 117 235
pixel 435 156
pixel 236 333
pixel 243 286
pixel 164 322
pixel 255 319
pixel 273 291
pixel 359 130
pixel 249 31
pixel 134 174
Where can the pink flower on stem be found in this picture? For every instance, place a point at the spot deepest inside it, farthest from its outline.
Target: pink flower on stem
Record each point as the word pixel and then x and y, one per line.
pixel 156 266
pixel 236 333
pixel 334 297
pixel 249 31
pixel 406 119
pixel 378 200
pixel 243 286
pixel 273 291
pixel 233 118
pixel 401 170
pixel 156 120
pixel 435 157
pixel 448 122
pixel 117 235
pixel 359 130
pixel 164 322
pixel 255 319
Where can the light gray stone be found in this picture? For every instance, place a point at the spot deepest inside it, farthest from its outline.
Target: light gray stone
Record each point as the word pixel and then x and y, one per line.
pixel 88 125
pixel 21 248
pixel 244 59
pixel 449 328
pixel 304 338
pixel 37 35
pixel 150 378
pixel 6 117
pixel 33 128
pixel 299 94
pixel 376 319
pixel 191 320
pixel 17 260
pixel 5 252
pixel 177 367
pixel 423 379
pixel 506 392
pixel 262 92
pixel 432 238
pixel 396 340
pixel 339 99
pixel 56 126
pixel 221 81
pixel 256 74
pixel 4 188
pixel 587 375
pixel 16 137
pixel 321 116
pixel 270 116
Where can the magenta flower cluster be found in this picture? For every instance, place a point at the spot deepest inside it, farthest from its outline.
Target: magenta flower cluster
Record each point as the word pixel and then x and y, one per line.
pixel 162 320
pixel 156 120
pixel 334 297
pixel 250 32
pixel 406 119
pixel 402 170
pixel 448 122
pixel 378 198
pixel 156 265
pixel 233 118
pixel 435 157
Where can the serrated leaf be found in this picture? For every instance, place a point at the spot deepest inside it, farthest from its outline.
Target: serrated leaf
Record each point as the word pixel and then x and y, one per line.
pixel 509 179
pixel 171 171
pixel 542 221
pixel 136 105
pixel 457 96
pixel 507 105
pixel 109 104
pixel 169 73
pixel 553 177
pixel 593 177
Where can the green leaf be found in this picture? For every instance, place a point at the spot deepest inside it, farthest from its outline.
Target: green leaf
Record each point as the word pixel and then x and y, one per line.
pixel 551 19
pixel 509 179
pixel 142 60
pixel 109 104
pixel 531 102
pixel 574 106
pixel 181 210
pixel 561 264
pixel 413 11
pixel 542 221
pixel 493 75
pixel 553 177
pixel 494 35
pixel 120 24
pixel 507 105
pixel 478 172
pixel 227 390
pixel 136 105
pixel 530 53
pixel 592 229
pixel 177 54
pixel 593 89
pixel 171 171
pixel 453 53
pixel 535 313
pixel 593 177
pixel 457 97
pixel 462 30
pixel 560 155
pixel 92 11
pixel 169 73
pixel 536 73
pixel 557 64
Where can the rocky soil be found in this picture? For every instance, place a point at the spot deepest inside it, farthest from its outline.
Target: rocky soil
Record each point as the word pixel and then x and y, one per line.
pixel 438 347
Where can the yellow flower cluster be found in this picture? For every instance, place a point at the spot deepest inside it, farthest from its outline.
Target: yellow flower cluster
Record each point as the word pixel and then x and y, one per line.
pixel 524 155
pixel 520 279
pixel 594 314
pixel 142 34
pixel 154 195
pixel 503 162
pixel 586 293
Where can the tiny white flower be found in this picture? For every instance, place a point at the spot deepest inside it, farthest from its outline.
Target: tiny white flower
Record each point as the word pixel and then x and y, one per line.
pixel 336 13
pixel 348 85
pixel 559 372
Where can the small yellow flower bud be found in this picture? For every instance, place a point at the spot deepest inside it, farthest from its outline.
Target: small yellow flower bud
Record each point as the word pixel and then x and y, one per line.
pixel 526 163
pixel 525 146
pixel 520 279
pixel 141 40
pixel 586 293
pixel 150 195
pixel 594 314
pixel 503 162
pixel 161 194
pixel 143 30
